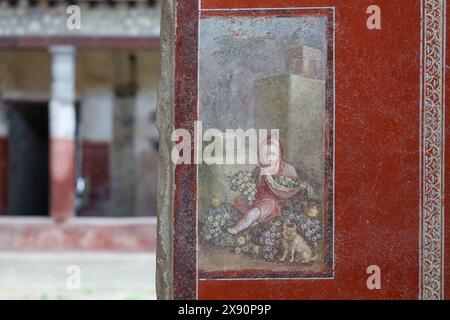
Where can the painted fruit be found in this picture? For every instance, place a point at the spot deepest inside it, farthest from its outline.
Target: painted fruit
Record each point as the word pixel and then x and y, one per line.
pixel 215 202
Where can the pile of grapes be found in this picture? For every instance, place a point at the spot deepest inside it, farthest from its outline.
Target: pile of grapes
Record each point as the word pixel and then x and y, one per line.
pixel 311 229
pixel 270 239
pixel 308 227
pixel 244 243
pixel 243 182
pixel 262 240
pixel 215 222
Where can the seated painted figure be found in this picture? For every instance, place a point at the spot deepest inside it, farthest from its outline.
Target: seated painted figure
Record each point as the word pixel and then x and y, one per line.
pixel 270 193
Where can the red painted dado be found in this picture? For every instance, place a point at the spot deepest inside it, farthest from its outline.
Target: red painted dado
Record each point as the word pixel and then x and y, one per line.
pixel 3 175
pixel 377 156
pixel 96 171
pixel 78 234
pixel 62 178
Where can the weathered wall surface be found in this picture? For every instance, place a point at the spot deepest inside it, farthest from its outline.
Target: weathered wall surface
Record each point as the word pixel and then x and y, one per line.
pixel 166 187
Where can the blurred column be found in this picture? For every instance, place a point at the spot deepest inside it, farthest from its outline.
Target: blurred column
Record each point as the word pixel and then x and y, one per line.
pixel 123 157
pixel 62 133
pixel 3 158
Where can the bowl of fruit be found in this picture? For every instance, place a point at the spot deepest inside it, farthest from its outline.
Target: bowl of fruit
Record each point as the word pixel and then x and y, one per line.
pixel 282 186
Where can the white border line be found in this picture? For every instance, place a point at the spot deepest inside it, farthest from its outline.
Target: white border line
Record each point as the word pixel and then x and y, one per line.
pixel 334 134
pixel 421 190
pixel 198 118
pixel 174 182
pixel 334 138
pixel 262 279
pixel 268 9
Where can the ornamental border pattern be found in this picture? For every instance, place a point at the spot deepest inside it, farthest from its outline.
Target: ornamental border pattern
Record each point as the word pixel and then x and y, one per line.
pixel 432 150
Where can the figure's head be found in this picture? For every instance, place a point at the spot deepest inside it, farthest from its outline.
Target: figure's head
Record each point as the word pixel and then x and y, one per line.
pixel 270 152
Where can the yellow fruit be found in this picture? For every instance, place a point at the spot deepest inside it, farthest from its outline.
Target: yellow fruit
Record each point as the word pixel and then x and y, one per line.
pixel 215 202
pixel 312 212
pixel 240 240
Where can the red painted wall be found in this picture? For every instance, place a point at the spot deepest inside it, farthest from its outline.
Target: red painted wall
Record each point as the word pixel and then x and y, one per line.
pixel 377 156
pixel 96 171
pixel 62 178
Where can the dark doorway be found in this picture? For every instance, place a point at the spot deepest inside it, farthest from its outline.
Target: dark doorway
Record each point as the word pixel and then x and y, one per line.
pixel 28 192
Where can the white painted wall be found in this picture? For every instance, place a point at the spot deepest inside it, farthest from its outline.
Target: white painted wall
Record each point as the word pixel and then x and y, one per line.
pixel 97 115
pixel 62 101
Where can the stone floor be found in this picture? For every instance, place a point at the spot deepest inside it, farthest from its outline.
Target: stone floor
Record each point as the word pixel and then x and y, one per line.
pixel 102 275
